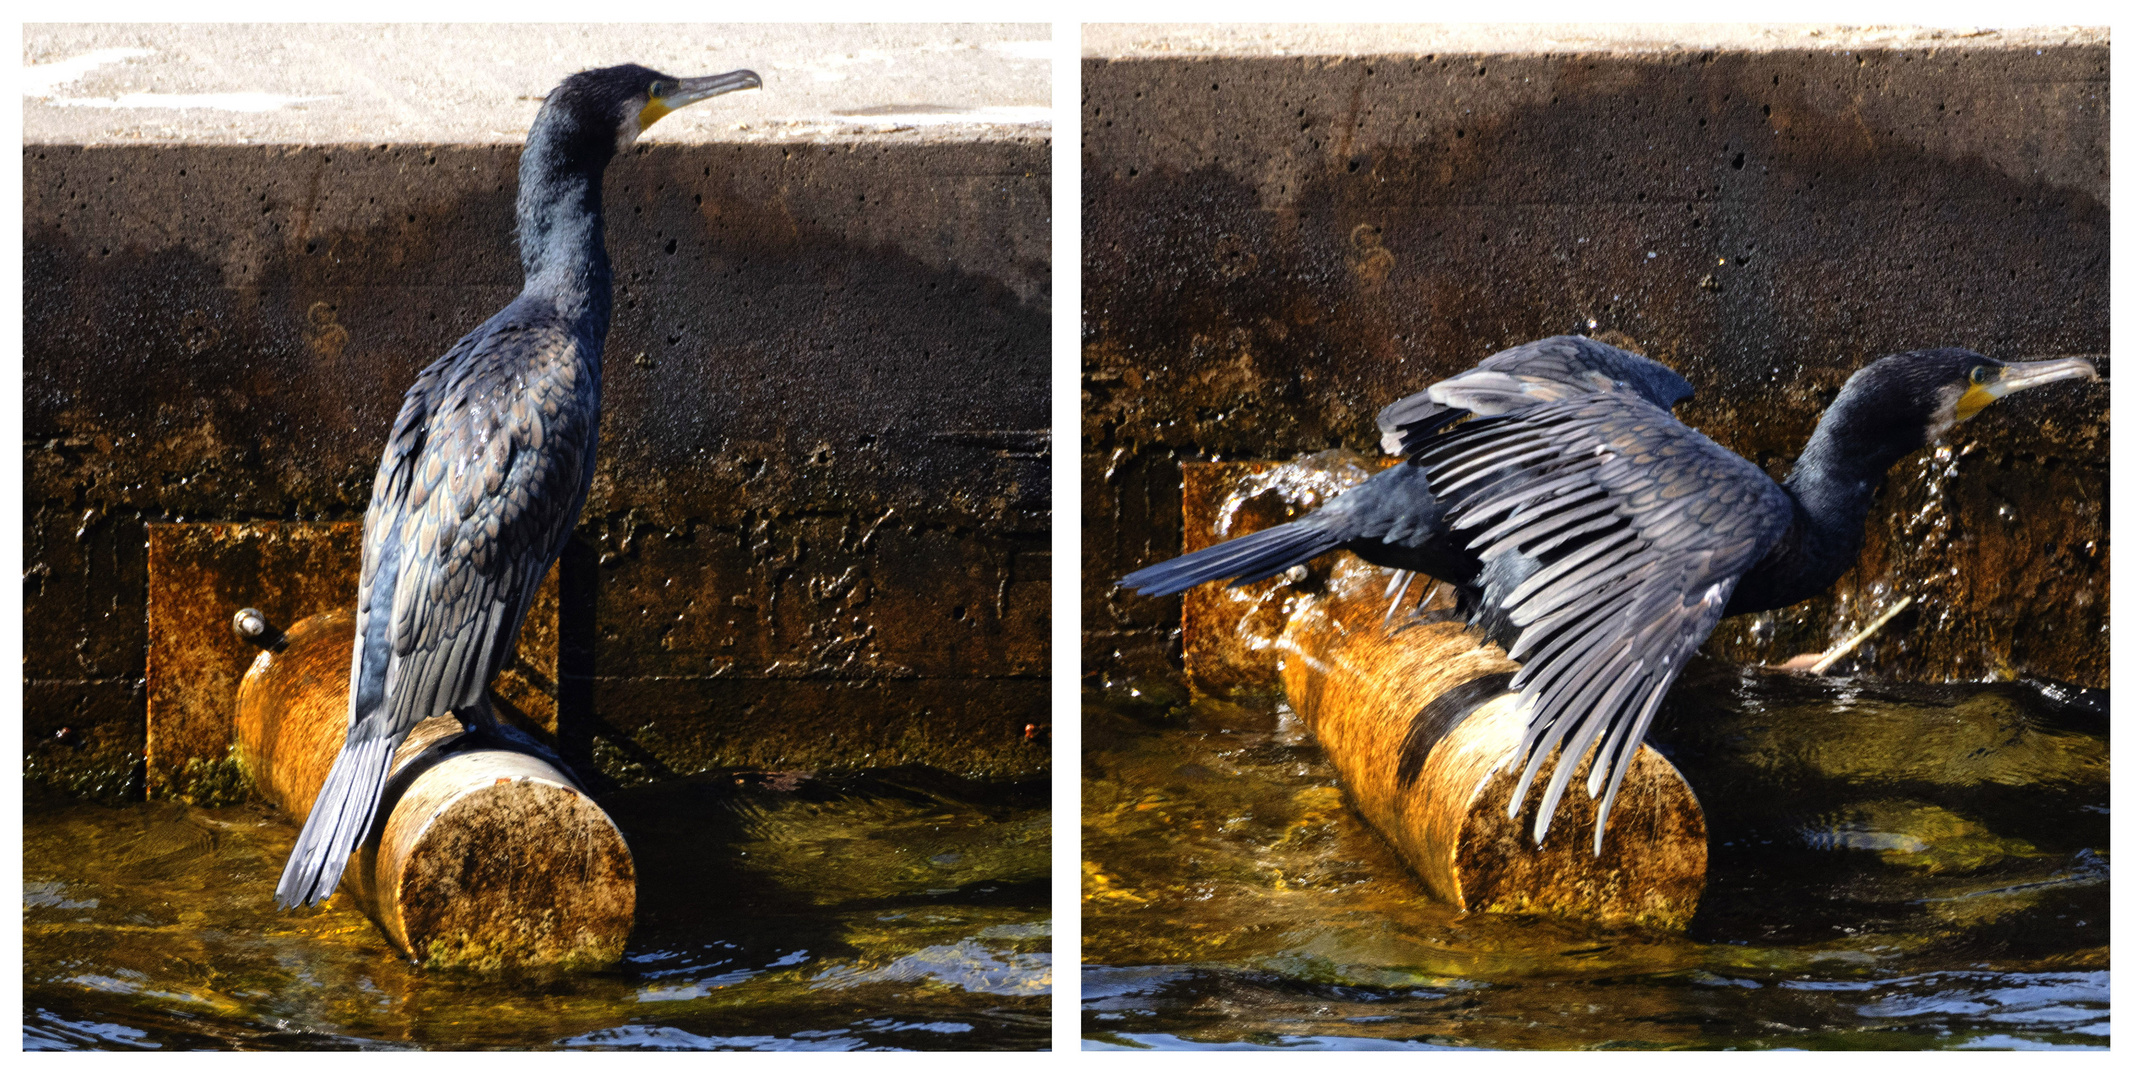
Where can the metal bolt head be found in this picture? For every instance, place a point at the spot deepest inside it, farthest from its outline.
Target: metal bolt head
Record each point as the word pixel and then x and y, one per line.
pixel 250 625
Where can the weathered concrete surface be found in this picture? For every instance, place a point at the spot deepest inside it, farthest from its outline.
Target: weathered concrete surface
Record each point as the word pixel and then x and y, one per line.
pixel 328 84
pixel 1115 41
pixel 1276 246
pixel 822 482
pixel 1228 635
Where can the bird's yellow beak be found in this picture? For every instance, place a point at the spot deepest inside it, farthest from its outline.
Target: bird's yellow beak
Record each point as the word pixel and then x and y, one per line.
pixel 692 90
pixel 2011 378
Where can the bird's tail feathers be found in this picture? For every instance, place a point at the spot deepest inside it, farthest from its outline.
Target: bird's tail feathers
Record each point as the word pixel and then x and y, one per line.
pixel 340 817
pixel 1245 560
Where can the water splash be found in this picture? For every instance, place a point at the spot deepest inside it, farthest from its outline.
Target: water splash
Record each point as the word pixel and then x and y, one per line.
pixel 1303 482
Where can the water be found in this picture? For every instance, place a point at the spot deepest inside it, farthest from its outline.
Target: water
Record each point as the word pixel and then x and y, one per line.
pixel 1892 867
pixel 891 909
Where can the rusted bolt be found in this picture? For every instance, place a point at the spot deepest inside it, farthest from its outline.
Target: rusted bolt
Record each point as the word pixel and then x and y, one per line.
pixel 253 629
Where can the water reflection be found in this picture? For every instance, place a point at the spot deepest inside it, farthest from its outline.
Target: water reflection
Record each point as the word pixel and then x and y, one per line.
pixel 1893 866
pixel 888 909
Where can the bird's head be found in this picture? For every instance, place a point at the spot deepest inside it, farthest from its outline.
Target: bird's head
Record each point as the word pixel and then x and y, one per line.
pixel 621 102
pixel 1932 390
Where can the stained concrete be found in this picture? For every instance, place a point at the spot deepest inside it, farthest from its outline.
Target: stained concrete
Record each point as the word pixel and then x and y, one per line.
pixel 1280 239
pixel 822 484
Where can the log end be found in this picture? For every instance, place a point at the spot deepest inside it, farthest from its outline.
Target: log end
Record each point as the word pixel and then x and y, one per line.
pixel 292 710
pixel 1415 720
pixel 1652 866
pixel 487 858
pixel 495 862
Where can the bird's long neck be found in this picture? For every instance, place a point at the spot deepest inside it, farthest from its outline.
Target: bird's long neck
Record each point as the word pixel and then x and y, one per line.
pixel 1834 484
pixel 561 242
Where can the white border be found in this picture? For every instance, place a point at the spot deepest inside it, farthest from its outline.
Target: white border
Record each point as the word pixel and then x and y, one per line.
pixel 1066 438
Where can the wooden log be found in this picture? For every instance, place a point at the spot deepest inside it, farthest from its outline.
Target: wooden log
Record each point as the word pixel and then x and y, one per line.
pixel 486 858
pixel 1414 720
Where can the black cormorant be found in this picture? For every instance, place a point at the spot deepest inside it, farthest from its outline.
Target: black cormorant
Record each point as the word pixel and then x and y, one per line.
pixel 1597 538
pixel 487 467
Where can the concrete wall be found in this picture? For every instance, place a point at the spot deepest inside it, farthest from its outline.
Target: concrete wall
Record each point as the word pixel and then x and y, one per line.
pixel 1276 245
pixel 821 503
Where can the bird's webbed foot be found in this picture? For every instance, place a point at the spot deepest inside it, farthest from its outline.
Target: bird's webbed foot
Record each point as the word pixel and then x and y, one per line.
pixel 486 729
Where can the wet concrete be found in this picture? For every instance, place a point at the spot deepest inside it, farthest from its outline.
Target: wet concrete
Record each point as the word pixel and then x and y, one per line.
pixel 821 494
pixel 1275 247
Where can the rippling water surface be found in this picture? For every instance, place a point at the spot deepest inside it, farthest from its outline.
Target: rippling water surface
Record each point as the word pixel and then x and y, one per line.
pixel 883 910
pixel 1892 867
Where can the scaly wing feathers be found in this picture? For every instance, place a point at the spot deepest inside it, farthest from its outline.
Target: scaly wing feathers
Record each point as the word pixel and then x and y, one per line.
pixel 1611 537
pixel 1553 369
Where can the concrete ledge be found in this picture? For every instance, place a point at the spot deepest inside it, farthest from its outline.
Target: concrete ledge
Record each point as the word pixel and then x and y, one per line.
pixel 823 452
pixel 463 83
pixel 1277 245
pixel 1121 41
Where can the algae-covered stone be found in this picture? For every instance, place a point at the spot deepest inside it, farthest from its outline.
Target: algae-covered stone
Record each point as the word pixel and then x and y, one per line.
pixel 1915 835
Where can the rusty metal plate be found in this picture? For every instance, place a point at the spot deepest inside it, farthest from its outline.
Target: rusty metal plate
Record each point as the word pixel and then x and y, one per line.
pixel 1228 635
pixel 199 575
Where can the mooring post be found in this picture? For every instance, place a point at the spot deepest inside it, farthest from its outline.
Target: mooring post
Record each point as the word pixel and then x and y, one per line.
pixel 485 858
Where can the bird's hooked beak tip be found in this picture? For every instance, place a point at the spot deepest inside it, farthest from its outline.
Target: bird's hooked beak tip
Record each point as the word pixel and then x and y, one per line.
pixel 2015 377
pixel 698 89
pixel 2010 378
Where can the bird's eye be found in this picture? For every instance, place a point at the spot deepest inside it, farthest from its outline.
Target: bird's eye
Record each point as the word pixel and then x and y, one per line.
pixel 658 90
pixel 1981 374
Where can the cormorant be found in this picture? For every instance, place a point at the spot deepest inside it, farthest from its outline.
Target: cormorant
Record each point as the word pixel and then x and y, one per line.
pixel 487 467
pixel 1597 538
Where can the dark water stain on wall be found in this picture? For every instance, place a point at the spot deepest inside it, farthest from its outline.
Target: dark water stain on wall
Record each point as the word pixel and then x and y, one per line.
pixel 823 457
pixel 1275 248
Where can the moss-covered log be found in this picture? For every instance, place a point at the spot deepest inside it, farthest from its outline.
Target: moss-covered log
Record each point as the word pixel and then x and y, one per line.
pixel 484 858
pixel 1415 721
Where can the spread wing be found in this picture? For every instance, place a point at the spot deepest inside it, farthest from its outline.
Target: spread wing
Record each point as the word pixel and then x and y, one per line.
pixel 1611 537
pixel 485 474
pixel 1553 369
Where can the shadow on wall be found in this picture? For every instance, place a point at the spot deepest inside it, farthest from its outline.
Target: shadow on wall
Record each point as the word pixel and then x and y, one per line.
pixel 1277 248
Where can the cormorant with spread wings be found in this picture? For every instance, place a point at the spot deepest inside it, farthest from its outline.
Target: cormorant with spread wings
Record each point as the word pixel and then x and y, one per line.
pixel 1597 538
